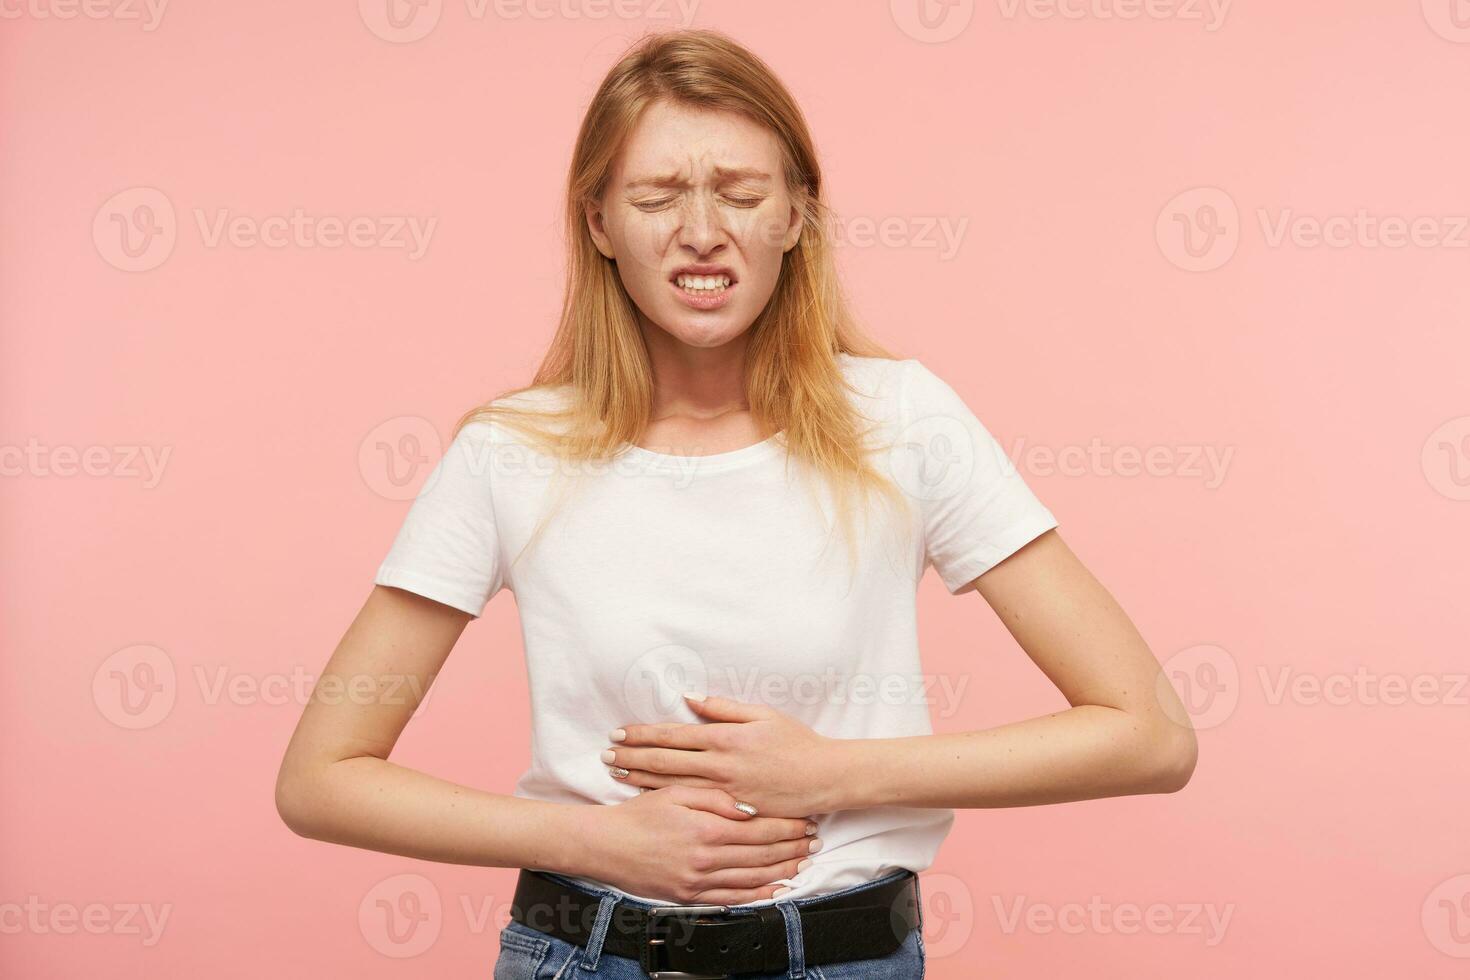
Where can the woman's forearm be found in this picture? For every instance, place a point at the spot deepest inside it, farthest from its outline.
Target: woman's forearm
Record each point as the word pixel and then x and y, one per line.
pixel 1085 752
pixel 376 804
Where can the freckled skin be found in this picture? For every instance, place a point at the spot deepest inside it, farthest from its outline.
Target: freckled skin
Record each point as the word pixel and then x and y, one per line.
pixel 747 223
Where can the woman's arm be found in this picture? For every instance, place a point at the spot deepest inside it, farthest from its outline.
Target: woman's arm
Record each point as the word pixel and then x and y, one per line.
pixel 336 784
pixel 1125 733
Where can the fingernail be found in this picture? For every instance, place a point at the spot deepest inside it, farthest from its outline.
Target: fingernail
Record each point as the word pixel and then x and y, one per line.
pixel 811 828
pixel 805 863
pixel 617 735
pixel 746 809
pixel 816 845
pixel 619 772
pixel 608 755
pixel 693 696
pixel 781 891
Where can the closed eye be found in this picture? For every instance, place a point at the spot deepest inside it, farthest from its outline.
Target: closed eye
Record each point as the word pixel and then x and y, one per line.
pixel 661 203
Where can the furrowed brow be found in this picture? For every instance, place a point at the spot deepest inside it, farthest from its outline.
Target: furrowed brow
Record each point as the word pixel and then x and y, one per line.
pixel 726 175
pixel 656 180
pixel 723 175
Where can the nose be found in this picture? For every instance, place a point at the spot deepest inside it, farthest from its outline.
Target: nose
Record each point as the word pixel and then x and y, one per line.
pixel 702 229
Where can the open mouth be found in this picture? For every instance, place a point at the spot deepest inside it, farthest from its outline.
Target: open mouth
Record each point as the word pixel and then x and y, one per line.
pixel 704 286
pixel 704 290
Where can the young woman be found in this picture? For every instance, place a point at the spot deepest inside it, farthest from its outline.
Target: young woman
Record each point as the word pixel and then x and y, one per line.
pixel 716 486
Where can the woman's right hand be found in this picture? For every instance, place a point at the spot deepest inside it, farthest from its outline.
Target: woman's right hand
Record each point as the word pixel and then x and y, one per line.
pixel 691 846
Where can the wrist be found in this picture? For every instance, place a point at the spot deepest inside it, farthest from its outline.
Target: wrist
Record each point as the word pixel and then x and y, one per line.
pixel 848 773
pixel 572 827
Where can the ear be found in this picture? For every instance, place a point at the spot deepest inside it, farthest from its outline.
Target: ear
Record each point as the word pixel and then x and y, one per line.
pixel 598 230
pixel 793 231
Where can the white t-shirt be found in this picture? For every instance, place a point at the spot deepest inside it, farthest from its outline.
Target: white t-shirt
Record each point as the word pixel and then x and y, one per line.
pixel 718 573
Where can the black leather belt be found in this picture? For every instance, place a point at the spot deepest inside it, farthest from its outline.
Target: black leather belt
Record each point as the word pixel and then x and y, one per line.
pixel 716 941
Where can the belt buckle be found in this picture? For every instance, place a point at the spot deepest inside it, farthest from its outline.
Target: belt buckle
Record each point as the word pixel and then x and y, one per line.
pixel 655 941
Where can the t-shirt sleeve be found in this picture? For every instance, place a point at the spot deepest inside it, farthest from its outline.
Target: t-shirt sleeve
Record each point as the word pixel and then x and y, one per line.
pixel 976 509
pixel 447 548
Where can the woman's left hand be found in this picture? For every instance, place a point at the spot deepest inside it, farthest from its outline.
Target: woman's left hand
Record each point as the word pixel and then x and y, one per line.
pixel 751 751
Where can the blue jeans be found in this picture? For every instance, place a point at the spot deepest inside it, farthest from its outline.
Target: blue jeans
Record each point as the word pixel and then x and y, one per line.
pixel 529 954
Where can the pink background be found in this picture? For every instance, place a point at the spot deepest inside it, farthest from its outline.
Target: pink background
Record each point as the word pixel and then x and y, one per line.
pixel 1324 830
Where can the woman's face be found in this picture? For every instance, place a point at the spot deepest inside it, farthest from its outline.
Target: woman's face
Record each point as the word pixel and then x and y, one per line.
pixel 697 217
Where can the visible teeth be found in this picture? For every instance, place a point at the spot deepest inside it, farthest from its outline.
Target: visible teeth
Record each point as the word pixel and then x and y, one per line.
pixel 703 283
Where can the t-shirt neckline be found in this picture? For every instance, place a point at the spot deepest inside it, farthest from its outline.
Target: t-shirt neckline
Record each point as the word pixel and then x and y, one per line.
pixel 733 457
pixel 719 461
